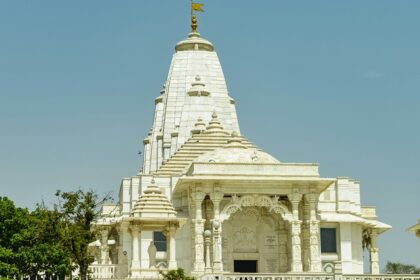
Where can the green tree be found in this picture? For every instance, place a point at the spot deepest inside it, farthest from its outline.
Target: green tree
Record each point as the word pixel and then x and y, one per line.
pixel 43 250
pixel 176 274
pixel 30 242
pixel 400 268
pixel 14 222
pixel 79 210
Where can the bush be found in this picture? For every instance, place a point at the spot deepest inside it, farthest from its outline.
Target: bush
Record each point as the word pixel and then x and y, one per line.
pixel 175 274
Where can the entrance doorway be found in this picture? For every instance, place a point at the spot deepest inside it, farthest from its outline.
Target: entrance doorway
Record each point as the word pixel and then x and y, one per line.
pixel 248 266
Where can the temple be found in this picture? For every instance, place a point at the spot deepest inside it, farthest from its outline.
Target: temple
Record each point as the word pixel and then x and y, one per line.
pixel 211 202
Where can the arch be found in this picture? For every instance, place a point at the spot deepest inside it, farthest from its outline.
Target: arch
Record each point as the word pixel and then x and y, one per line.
pixel 272 205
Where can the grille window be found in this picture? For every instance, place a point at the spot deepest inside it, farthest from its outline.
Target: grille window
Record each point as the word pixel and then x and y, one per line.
pixel 159 240
pixel 328 240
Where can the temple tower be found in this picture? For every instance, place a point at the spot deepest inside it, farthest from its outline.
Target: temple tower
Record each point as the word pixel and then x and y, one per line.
pixel 195 88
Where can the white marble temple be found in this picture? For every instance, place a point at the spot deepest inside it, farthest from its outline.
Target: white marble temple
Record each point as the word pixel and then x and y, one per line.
pixel 211 201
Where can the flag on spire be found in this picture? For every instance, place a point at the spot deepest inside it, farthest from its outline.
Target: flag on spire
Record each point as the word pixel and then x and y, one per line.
pixel 197 7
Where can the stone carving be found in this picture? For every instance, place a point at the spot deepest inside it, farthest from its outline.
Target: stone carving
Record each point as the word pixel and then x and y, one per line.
pixel 295 196
pixel 264 201
pixel 198 196
pixel 295 228
pixel 272 205
pixel 230 209
pixel 152 254
pixel 247 201
pixel 245 239
pixel 328 268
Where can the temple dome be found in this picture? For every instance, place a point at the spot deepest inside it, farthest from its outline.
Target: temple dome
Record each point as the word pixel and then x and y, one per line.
pixel 236 152
pixel 194 42
pixel 153 204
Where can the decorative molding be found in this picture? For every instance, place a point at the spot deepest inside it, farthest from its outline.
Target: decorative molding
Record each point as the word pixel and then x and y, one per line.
pixel 272 205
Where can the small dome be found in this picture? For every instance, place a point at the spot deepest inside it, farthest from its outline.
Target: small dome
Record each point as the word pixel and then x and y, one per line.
pixel 153 204
pixel 215 127
pixel 194 42
pixel 198 88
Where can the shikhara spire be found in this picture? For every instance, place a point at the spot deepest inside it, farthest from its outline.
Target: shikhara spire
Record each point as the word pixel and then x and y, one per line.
pixel 194 89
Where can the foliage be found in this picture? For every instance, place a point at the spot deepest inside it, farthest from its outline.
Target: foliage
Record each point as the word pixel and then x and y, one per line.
pixel 48 241
pixel 79 210
pixel 30 241
pixel 44 250
pixel 366 239
pixel 400 268
pixel 13 224
pixel 176 274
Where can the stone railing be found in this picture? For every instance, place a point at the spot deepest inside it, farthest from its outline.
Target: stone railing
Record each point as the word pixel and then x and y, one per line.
pixel 381 277
pixel 308 276
pixel 268 276
pixel 109 272
pixel 103 271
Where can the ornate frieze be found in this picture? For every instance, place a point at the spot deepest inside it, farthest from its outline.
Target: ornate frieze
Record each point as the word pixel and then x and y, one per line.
pixel 272 204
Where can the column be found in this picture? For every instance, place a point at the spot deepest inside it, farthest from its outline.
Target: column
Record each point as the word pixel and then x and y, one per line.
pixel 295 231
pixel 198 222
pixel 104 247
pixel 305 236
pixel 314 241
pixel 146 237
pixel 146 154
pixel 282 236
pixel 125 251
pixel 346 251
pixel 296 251
pixel 159 139
pixel 171 247
pixel 374 253
pixel 207 241
pixel 135 262
pixel 217 197
pixel 174 140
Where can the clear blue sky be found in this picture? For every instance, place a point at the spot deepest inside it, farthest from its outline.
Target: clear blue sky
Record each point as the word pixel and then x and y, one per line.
pixel 334 82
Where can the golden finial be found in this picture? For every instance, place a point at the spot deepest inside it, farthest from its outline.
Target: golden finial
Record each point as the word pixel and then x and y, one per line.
pixel 198 7
pixel 194 24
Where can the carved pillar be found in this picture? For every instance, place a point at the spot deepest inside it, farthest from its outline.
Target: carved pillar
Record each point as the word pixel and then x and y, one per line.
pixel 282 236
pixel 217 197
pixel 374 253
pixel 296 255
pixel 198 222
pixel 306 258
pixel 104 247
pixel 207 241
pixel 295 232
pixel 135 262
pixel 170 247
pixel 315 250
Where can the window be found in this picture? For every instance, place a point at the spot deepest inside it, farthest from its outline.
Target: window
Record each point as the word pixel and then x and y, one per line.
pixel 159 240
pixel 328 240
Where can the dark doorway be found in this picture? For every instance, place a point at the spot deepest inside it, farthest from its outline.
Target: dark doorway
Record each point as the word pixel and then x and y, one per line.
pixel 249 266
